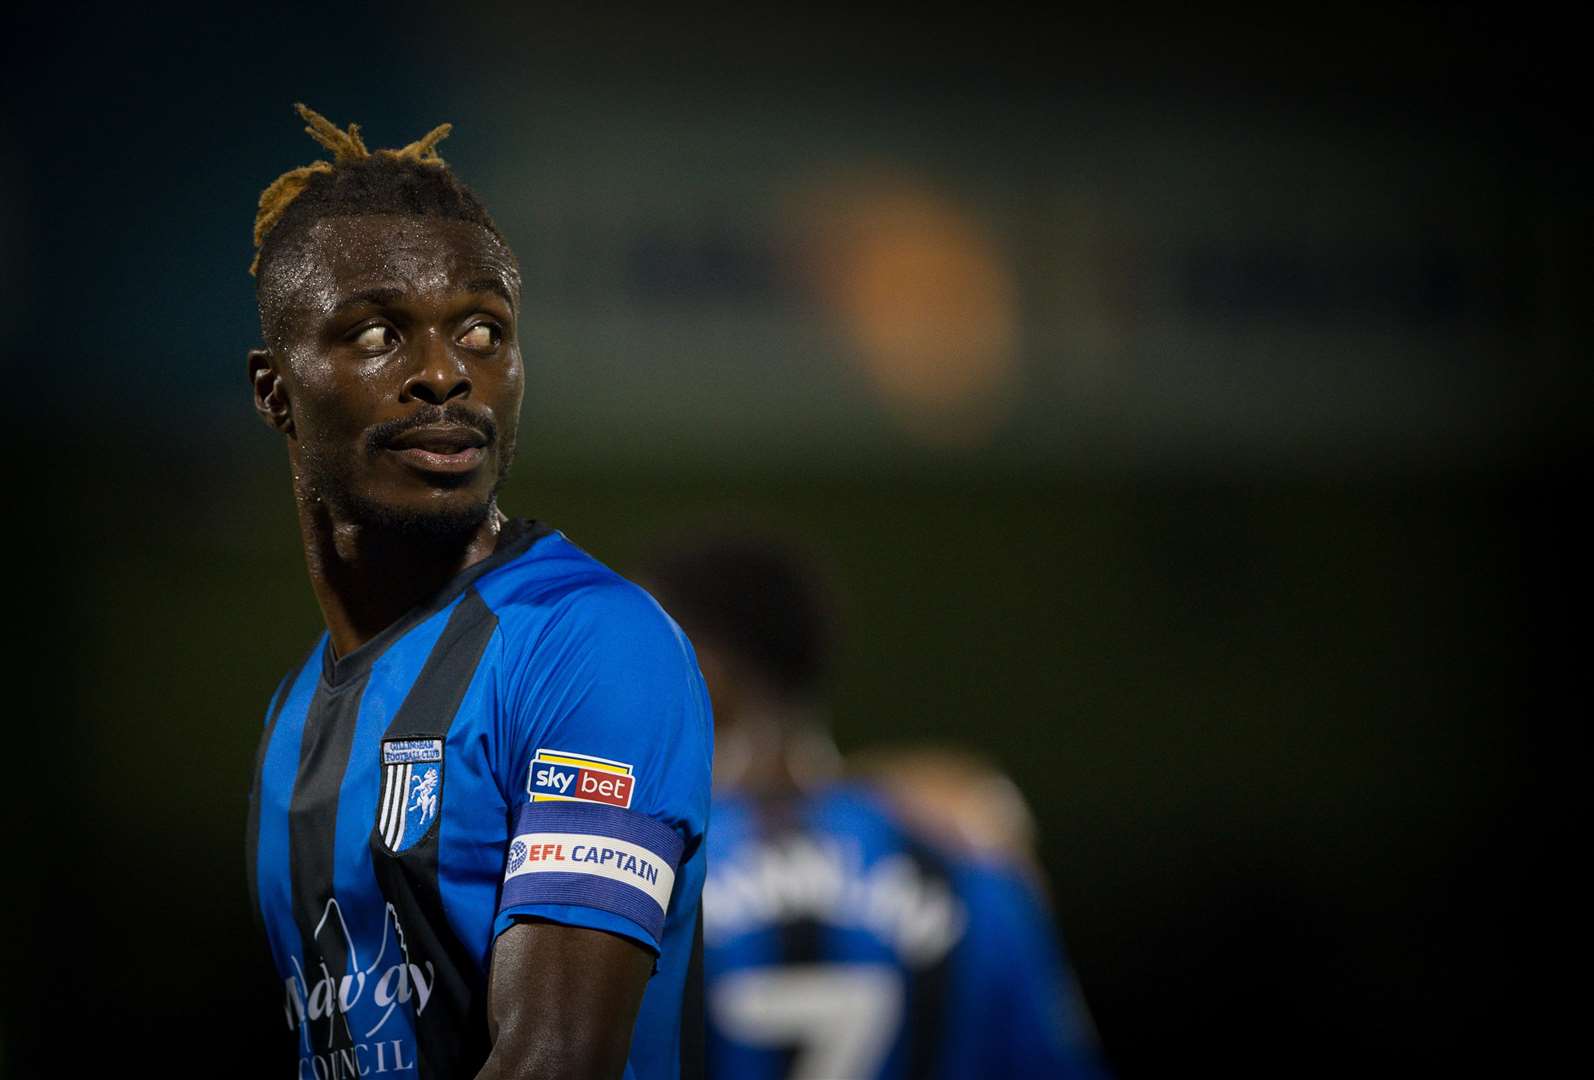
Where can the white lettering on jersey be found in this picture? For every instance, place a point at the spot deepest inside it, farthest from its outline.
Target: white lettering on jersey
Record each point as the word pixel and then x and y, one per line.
pixel 819 878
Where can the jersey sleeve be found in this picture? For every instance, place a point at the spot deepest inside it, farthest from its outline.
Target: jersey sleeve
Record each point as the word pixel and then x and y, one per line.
pixel 610 743
pixel 1035 1018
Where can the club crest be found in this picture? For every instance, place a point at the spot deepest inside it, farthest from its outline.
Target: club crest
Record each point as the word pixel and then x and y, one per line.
pixel 412 790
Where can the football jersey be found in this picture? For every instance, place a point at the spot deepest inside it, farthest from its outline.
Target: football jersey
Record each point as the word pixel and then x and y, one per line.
pixel 535 742
pixel 837 944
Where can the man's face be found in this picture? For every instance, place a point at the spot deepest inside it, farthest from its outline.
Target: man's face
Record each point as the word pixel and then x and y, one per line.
pixel 397 356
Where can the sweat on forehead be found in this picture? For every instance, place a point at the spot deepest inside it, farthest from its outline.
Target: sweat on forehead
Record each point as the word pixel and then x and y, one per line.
pixel 338 256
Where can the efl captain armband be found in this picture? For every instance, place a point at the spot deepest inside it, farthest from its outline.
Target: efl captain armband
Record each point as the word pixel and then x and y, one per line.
pixel 596 856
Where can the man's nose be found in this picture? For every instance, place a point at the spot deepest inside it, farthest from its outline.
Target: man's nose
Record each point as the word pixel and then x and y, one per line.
pixel 439 375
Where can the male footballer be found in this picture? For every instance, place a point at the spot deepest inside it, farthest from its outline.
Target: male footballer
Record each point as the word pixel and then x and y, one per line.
pixel 475 840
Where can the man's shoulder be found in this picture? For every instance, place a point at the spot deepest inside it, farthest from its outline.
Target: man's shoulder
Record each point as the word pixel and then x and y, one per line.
pixel 556 587
pixel 841 812
pixel 299 677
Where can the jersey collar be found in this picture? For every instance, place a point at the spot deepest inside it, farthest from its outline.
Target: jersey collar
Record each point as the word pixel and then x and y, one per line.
pixel 514 540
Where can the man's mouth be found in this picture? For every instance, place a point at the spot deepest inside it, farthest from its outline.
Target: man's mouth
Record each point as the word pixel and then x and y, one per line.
pixel 444 448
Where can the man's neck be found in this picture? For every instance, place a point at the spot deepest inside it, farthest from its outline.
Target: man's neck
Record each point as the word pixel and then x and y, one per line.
pixel 775 750
pixel 366 578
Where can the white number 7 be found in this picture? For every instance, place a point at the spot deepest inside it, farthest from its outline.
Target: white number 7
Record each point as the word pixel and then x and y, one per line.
pixel 841 1017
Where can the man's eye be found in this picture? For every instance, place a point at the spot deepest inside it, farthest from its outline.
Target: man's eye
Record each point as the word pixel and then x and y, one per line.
pixel 376 338
pixel 482 336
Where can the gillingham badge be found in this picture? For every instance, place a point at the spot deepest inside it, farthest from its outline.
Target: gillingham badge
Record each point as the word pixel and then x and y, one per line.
pixel 412 790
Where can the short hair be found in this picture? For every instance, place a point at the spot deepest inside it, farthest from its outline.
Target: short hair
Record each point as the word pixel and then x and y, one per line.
pixel 357 181
pixel 754 598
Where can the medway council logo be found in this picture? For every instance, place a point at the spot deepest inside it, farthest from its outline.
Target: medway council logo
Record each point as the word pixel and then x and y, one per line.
pixel 560 776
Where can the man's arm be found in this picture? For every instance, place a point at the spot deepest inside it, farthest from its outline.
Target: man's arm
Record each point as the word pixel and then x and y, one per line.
pixel 561 1001
pixel 610 740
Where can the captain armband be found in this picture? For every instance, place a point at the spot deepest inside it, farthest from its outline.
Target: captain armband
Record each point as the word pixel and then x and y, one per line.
pixel 596 856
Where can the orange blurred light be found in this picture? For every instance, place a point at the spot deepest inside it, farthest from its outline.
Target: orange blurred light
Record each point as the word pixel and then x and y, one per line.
pixel 926 298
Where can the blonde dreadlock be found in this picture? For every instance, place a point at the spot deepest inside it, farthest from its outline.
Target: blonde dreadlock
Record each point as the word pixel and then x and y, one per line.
pixel 346 147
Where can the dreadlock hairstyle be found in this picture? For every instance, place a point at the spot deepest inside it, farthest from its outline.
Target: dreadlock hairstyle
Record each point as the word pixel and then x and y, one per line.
pixel 358 181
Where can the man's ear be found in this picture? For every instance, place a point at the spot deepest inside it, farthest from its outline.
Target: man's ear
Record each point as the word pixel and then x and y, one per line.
pixel 270 396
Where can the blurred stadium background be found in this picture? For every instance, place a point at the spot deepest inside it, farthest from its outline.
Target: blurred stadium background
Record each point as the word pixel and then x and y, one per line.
pixel 1169 395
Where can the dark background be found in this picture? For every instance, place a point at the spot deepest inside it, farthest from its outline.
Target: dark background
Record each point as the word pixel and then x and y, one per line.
pixel 1225 523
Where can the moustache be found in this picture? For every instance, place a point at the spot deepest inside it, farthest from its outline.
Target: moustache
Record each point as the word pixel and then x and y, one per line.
pixel 450 415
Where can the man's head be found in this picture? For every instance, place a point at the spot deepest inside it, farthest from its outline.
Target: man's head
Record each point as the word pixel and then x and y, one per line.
pixel 387 303
pixel 757 615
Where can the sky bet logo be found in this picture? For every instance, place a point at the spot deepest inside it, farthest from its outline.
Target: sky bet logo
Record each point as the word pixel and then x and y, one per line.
pixel 557 776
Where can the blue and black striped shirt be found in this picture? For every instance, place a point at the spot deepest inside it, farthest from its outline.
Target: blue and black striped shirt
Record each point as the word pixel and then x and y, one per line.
pixel 535 742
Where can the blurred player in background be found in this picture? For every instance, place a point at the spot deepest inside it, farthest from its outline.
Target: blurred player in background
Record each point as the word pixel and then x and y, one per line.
pixel 956 796
pixel 884 926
